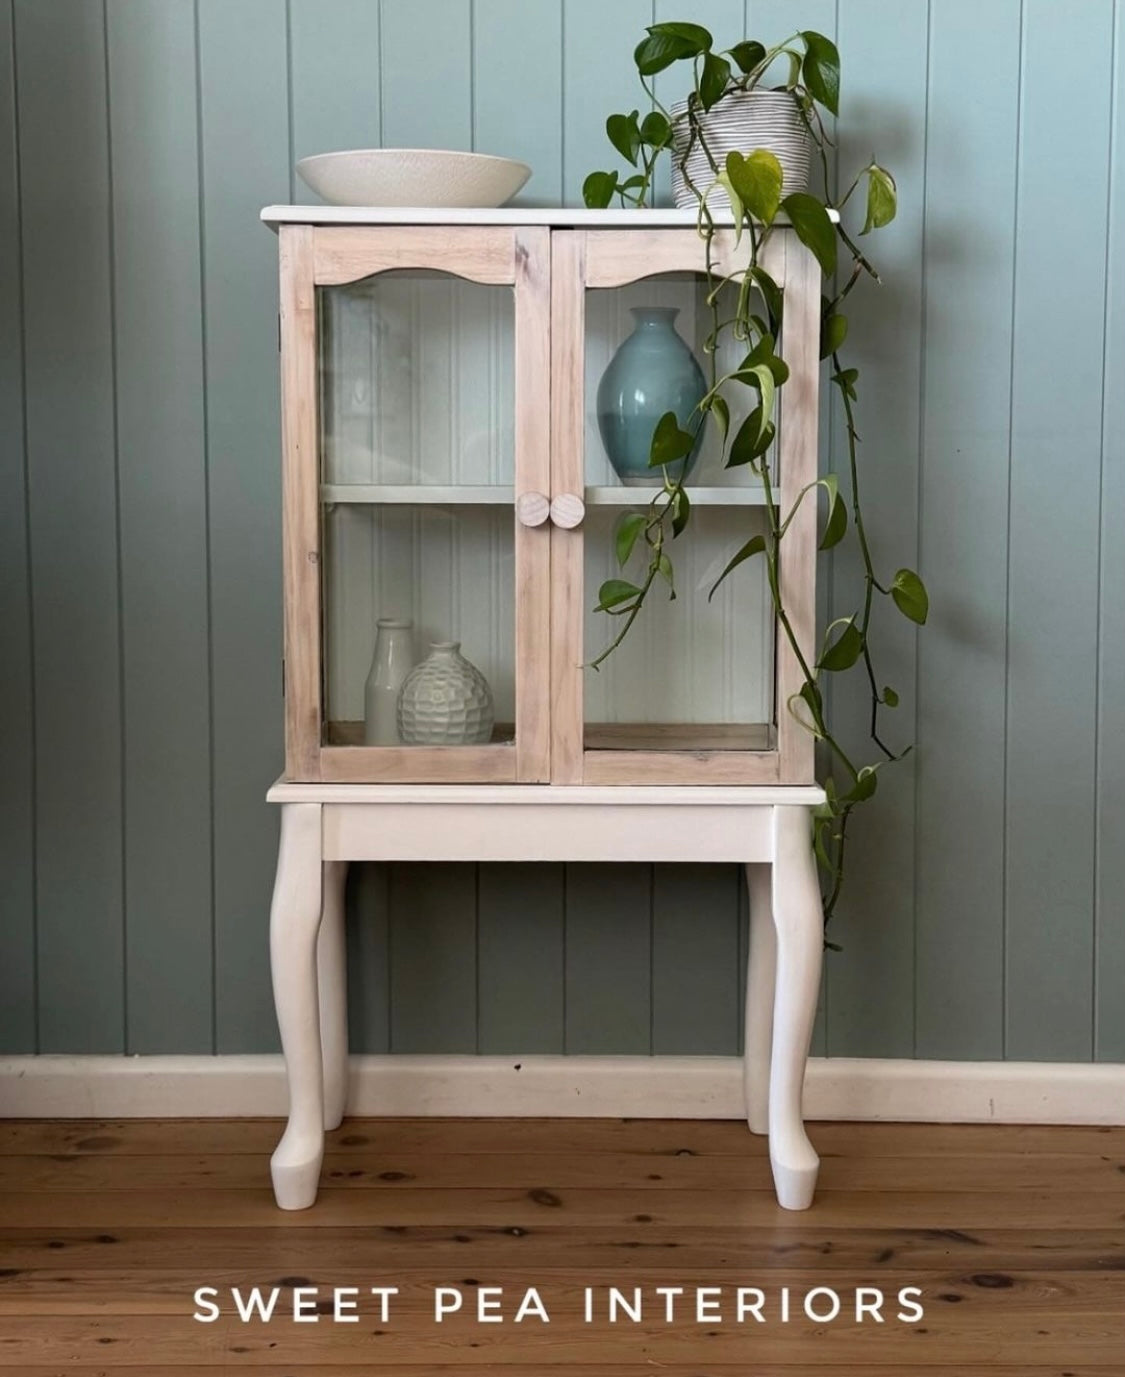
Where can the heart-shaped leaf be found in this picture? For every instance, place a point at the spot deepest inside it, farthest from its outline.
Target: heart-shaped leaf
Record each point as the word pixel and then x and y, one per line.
pixel 625 537
pixel 598 189
pixel 615 592
pixel 681 511
pixel 882 198
pixel 625 135
pixel 751 440
pixel 757 180
pixel 713 81
pixel 747 54
pixel 814 229
pixel 833 332
pixel 655 129
pixel 669 442
pixel 910 596
pixel 754 546
pixel 837 523
pixel 821 70
pixel 890 697
pixel 845 650
pixel 771 295
pixel 695 34
pixel 668 43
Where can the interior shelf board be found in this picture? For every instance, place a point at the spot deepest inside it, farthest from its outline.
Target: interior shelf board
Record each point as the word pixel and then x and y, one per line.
pixel 748 496
pixel 417 494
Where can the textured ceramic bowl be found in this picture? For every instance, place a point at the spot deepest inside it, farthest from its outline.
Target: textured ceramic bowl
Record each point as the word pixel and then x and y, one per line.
pixel 412 177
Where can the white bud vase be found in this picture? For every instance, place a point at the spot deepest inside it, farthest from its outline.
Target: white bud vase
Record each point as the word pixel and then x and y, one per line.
pixel 390 664
pixel 445 701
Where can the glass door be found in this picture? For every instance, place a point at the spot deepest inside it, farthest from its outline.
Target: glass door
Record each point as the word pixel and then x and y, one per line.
pixel 431 367
pixel 666 680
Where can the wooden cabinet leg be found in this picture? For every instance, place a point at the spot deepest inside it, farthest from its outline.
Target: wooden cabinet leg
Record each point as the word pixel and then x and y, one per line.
pixel 294 925
pixel 799 924
pixel 761 980
pixel 332 983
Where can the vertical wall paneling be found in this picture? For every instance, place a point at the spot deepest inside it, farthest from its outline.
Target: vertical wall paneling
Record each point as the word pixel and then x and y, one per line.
pixel 427 95
pixel 1052 619
pixel 883 102
pixel 967 282
pixel 520 943
pixel 242 66
pixel 426 74
pixel 1109 972
pixel 433 958
pixel 517 65
pixel 140 513
pixel 68 333
pixel 335 102
pixel 334 76
pixel 163 536
pixel 609 958
pixel 17 799
pixel 369 975
pixel 695 960
pixel 601 77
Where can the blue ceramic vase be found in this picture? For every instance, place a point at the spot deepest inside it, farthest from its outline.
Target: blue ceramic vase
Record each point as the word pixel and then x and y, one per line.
pixel 654 371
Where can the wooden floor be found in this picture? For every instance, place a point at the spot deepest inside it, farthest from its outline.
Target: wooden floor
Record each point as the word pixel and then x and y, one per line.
pixel 1015 1235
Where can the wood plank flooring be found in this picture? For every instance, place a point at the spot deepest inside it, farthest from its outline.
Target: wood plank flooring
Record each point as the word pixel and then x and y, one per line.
pixel 1015 1236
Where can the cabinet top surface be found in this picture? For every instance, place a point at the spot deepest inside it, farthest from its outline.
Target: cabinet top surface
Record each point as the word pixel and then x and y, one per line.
pixel 561 216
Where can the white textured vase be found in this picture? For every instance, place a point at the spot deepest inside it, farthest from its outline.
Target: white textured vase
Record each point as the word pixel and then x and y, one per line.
pixel 390 664
pixel 445 701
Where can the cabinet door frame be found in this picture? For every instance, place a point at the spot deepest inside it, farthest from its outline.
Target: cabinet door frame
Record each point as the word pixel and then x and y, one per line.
pixel 319 256
pixel 583 259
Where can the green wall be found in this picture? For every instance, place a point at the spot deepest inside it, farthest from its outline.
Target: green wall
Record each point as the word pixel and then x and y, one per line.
pixel 139 532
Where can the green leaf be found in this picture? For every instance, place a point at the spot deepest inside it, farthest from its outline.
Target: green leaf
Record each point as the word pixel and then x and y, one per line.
pixel 833 332
pixel 614 592
pixel 771 295
pixel 747 54
pixel 737 209
pixel 821 70
pixel 882 198
pixel 721 412
pixel 837 523
pixel 664 569
pixel 669 442
pixel 668 43
pixel 760 375
pixel 911 598
pixel 754 546
pixel 751 440
pixel 625 135
pixel 757 180
pixel 598 189
pixel 629 528
pixel 890 697
pixel 814 229
pixel 655 129
pixel 763 353
pixel 865 785
pixel 713 81
pixel 845 380
pixel 695 34
pixel 845 650
pixel 681 511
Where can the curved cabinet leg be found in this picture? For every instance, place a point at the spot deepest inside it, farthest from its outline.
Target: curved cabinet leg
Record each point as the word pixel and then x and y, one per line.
pixel 800 947
pixel 761 979
pixel 294 924
pixel 332 982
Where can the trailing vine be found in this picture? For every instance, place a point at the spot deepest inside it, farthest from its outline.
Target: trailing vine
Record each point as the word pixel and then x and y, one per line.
pixel 747 305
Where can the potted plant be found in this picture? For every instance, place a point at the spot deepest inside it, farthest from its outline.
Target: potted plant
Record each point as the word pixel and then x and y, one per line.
pixel 733 155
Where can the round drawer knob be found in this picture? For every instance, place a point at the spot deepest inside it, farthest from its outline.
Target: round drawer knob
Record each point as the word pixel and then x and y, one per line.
pixel 567 510
pixel 532 508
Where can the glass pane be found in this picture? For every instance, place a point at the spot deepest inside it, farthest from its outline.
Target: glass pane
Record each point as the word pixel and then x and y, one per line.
pixel 417 463
pixel 692 673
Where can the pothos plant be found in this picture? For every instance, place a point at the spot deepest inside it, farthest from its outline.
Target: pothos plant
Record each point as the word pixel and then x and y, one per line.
pixel 747 305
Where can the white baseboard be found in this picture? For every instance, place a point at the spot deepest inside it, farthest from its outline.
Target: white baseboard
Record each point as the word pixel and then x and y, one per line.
pixel 593 1087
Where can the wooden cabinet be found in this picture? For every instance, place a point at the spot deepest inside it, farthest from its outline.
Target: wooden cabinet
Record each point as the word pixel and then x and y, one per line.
pixel 442 464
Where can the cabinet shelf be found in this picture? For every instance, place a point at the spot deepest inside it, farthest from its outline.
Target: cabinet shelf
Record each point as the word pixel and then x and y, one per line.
pixel 467 494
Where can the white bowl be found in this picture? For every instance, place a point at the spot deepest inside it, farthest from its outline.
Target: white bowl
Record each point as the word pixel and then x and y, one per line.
pixel 412 177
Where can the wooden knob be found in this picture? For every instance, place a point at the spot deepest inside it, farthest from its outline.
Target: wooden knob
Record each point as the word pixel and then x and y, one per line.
pixel 532 508
pixel 567 510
